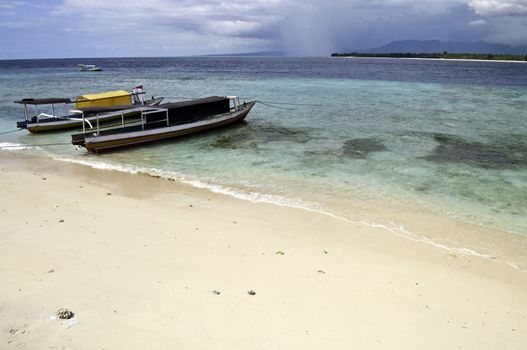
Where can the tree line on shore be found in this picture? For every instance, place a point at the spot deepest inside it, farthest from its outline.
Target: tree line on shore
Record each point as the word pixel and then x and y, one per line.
pixel 445 55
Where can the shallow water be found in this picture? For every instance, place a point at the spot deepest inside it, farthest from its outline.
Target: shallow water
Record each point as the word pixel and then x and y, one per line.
pixel 364 134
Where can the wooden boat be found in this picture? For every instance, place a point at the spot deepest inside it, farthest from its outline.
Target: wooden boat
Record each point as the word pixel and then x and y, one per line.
pixel 88 106
pixel 166 121
pixel 89 68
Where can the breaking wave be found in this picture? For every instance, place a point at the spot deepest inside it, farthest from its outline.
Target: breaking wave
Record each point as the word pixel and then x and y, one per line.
pixel 9 146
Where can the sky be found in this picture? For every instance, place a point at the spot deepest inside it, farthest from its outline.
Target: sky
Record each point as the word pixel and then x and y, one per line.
pixel 141 28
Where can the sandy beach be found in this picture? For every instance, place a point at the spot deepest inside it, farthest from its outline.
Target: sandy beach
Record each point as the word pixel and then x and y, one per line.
pixel 147 263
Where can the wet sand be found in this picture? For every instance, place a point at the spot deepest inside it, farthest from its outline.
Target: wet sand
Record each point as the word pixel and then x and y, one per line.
pixel 151 263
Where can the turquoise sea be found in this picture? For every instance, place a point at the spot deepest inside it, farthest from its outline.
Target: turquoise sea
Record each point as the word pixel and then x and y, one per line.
pixel 384 142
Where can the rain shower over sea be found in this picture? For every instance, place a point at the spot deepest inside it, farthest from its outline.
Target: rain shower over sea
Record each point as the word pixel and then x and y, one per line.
pixel 431 150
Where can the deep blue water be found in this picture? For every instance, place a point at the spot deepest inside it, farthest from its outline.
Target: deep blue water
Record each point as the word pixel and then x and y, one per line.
pixel 440 71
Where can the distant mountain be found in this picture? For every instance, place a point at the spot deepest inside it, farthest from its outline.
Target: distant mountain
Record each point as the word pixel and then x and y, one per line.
pixel 252 54
pixel 436 46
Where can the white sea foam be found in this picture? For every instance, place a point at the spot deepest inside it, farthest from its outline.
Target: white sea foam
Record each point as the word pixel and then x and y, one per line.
pixel 100 165
pixel 9 146
pixel 515 266
pixel 401 231
pixel 256 197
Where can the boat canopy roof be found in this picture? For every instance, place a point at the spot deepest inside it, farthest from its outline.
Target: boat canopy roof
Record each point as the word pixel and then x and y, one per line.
pixel 198 101
pixel 110 98
pixel 103 95
pixel 42 101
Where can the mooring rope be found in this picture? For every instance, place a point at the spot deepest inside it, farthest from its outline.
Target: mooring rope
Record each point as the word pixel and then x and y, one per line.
pixel 259 101
pixel 38 145
pixel 8 132
pixel 291 104
pixel 270 105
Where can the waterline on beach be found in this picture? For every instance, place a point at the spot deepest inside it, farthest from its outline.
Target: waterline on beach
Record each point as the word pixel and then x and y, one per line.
pixel 255 197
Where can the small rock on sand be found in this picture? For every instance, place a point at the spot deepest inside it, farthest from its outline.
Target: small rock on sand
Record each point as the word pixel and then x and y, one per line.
pixel 64 314
pixel 61 220
pixel 251 292
pixel 215 292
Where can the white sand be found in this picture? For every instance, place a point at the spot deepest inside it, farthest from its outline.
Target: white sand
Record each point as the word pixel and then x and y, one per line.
pixel 139 267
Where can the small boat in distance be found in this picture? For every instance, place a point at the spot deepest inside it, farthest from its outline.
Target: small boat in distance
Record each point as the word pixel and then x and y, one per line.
pixel 89 105
pixel 163 122
pixel 89 68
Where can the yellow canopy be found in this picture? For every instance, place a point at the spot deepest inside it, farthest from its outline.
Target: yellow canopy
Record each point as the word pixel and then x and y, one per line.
pixel 111 98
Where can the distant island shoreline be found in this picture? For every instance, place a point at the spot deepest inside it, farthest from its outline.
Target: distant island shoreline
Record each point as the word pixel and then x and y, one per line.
pixel 438 56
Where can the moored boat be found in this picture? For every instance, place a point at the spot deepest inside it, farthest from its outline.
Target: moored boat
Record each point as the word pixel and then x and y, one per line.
pixel 87 106
pixel 89 68
pixel 166 121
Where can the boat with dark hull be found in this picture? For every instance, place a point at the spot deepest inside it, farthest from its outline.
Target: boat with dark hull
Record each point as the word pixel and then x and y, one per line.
pixel 166 121
pixel 89 68
pixel 88 107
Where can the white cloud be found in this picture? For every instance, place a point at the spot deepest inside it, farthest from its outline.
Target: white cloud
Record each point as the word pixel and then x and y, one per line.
pixel 233 18
pixel 230 26
pixel 498 8
pixel 478 22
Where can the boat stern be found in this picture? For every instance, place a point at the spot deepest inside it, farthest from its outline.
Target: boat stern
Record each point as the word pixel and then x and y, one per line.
pixel 78 140
pixel 22 124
